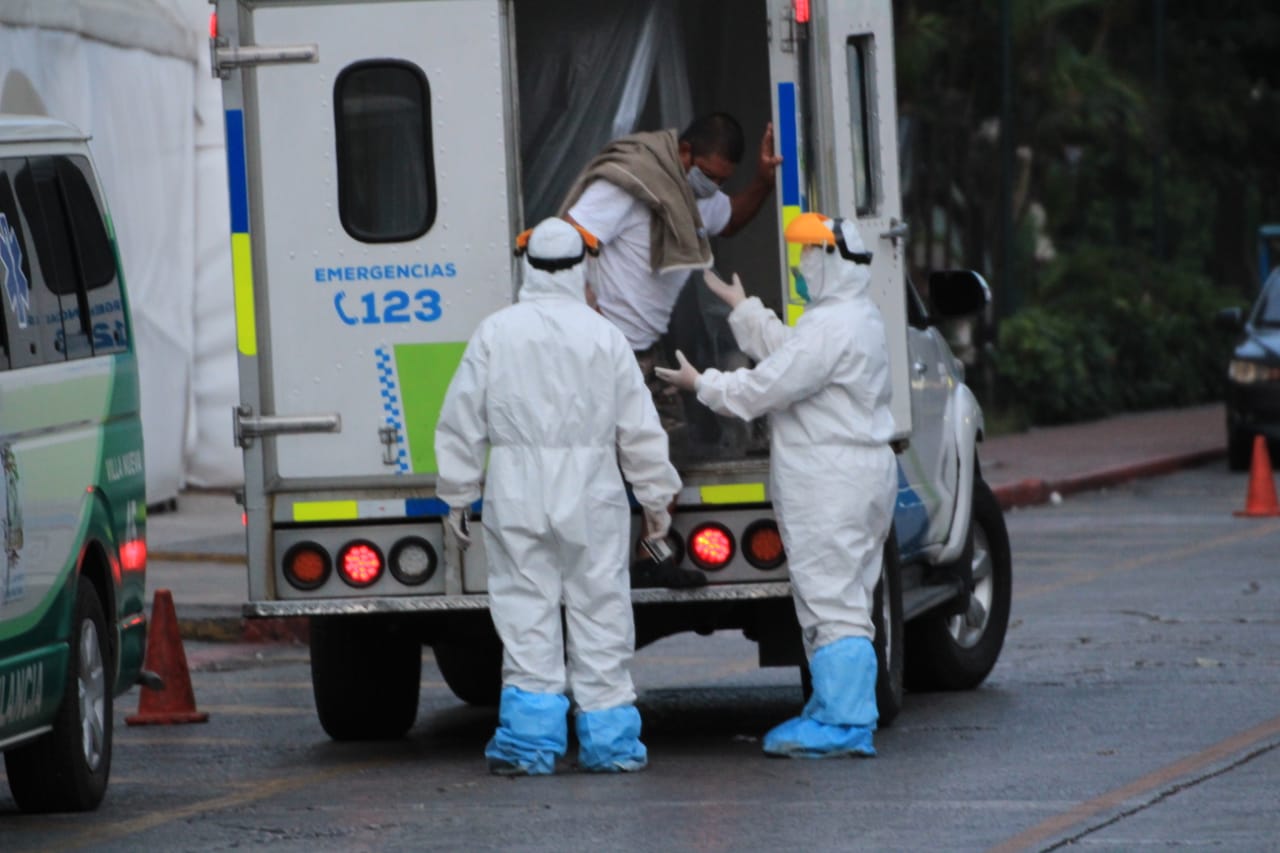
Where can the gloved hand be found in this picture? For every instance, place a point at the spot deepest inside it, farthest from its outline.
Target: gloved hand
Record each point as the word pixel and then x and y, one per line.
pixel 657 523
pixel 457 527
pixel 686 378
pixel 730 294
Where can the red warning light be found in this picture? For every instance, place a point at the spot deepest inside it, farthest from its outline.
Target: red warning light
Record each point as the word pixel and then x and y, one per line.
pixel 802 11
pixel 711 547
pixel 213 25
pixel 360 564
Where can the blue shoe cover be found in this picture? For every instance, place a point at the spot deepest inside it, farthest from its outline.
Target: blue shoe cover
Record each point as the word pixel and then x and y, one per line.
pixel 609 740
pixel 841 715
pixel 803 737
pixel 533 731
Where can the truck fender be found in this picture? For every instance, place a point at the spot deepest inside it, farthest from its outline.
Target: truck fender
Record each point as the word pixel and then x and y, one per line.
pixel 968 426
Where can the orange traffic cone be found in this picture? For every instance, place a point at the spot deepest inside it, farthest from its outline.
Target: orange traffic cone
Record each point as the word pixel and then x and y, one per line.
pixel 1261 501
pixel 174 701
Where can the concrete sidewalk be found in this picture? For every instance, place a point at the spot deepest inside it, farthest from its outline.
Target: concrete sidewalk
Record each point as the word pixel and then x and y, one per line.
pixel 197 550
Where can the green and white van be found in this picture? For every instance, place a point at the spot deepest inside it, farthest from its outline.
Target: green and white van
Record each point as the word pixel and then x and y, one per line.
pixel 73 498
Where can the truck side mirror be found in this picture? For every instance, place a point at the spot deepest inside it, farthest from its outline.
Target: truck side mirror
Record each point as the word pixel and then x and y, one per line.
pixel 958 293
pixel 1230 319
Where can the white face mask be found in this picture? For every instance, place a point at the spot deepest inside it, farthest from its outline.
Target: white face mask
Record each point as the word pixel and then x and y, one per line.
pixel 702 186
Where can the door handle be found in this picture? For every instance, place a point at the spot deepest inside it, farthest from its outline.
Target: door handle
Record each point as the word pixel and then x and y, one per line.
pixel 897 230
pixel 920 368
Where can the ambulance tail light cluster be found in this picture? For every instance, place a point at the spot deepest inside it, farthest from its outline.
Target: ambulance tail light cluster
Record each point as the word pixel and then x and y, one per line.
pixel 360 563
pixel 711 546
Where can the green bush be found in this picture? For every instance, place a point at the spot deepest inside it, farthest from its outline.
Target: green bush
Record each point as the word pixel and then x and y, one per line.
pixel 1109 332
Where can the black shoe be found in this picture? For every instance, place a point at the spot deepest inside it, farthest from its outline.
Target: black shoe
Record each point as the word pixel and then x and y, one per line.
pixel 646 574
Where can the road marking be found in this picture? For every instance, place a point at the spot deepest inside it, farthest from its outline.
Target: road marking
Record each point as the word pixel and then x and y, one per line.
pixel 1261 532
pixel 1162 778
pixel 256 792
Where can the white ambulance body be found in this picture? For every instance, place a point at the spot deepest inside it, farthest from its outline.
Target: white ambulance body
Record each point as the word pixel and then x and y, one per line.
pixel 382 157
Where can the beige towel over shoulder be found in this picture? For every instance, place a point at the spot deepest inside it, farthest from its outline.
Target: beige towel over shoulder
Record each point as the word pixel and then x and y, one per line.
pixel 647 166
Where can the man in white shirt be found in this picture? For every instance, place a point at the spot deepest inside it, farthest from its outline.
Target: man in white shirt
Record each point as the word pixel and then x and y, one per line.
pixel 635 286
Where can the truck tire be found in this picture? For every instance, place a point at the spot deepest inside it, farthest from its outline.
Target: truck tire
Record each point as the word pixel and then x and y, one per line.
pixel 889 634
pixel 947 653
pixel 365 676
pixel 67 768
pixel 888 642
pixel 472 670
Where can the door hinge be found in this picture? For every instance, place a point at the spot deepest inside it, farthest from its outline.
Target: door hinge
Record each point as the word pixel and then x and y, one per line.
pixel 224 56
pixel 389 436
pixel 247 426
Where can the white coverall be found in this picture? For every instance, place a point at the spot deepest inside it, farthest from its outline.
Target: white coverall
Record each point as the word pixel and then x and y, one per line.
pixel 552 391
pixel 825 386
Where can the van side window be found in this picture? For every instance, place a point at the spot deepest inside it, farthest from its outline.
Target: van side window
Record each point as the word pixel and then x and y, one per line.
pixel 386 170
pixel 858 54
pixel 15 277
pixel 32 326
pixel 75 252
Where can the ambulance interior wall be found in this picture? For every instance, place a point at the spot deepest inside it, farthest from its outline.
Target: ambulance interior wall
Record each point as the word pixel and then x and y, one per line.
pixel 591 72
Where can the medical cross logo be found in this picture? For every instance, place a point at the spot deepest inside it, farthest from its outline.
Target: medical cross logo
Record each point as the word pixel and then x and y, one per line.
pixel 12 279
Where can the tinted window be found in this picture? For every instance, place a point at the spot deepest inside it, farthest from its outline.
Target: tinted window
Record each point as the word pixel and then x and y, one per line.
pixel 1267 312
pixel 858 56
pixel 386 176
pixel 34 330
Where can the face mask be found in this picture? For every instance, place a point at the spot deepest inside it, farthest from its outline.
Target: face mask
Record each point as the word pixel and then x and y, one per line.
pixel 802 286
pixel 702 186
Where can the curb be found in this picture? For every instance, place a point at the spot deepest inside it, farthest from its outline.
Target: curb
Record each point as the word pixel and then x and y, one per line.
pixel 1034 492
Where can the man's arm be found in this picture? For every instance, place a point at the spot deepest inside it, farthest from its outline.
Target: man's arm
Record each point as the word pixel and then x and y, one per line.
pixel 747 203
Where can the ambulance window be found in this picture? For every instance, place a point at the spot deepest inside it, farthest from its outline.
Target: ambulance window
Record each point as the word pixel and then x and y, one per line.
pixel 858 52
pixel 33 325
pixel 98 288
pixel 386 173
pixel 15 276
pixel 44 199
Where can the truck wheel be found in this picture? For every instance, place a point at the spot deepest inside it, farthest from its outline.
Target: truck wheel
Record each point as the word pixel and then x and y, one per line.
pixel 473 670
pixel 887 619
pixel 67 768
pixel 889 634
pixel 948 653
pixel 365 676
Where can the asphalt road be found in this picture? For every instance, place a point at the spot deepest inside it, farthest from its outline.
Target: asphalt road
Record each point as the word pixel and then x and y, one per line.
pixel 1137 704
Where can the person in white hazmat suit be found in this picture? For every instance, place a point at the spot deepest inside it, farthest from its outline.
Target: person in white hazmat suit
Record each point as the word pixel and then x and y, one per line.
pixel 552 392
pixel 825 386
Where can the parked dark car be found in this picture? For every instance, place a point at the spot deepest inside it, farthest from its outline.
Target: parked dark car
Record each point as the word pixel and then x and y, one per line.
pixel 1253 376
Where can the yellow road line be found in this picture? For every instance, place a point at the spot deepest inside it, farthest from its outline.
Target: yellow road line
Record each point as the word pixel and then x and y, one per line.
pixel 1162 778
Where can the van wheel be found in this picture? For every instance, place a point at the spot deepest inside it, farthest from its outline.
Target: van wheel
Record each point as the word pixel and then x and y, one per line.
pixel 887 619
pixel 473 671
pixel 947 652
pixel 365 675
pixel 67 769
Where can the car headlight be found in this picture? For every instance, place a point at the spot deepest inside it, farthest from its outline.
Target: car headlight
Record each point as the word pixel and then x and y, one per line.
pixel 1251 372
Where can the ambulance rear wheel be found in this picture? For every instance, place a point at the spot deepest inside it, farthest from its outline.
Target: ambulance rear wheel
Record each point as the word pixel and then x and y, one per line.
pixel 365 675
pixel 67 768
pixel 473 670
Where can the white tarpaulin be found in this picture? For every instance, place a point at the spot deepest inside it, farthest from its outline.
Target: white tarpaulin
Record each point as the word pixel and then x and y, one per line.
pixel 134 75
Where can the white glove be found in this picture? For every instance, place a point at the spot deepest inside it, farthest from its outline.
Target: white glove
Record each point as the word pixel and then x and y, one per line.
pixel 457 526
pixel 730 294
pixel 657 523
pixel 686 378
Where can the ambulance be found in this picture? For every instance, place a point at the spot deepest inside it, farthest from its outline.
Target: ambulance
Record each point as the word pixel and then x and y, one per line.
pixel 73 509
pixel 384 154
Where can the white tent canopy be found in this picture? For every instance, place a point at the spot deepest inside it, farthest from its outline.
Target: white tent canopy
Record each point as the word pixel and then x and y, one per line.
pixel 134 75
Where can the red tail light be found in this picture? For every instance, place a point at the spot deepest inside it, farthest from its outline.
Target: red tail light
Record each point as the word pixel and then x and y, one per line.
pixel 360 563
pixel 802 11
pixel 213 25
pixel 711 546
pixel 133 555
pixel 307 565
